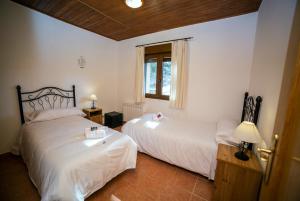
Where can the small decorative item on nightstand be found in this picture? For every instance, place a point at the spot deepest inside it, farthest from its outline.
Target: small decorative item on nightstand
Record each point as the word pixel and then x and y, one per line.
pixel 94 115
pixel 247 133
pixel 93 97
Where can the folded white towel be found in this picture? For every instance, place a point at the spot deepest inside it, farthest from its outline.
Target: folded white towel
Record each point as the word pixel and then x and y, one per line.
pixel 95 134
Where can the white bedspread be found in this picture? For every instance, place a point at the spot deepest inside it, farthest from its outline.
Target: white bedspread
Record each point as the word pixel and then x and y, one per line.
pixel 185 144
pixel 66 166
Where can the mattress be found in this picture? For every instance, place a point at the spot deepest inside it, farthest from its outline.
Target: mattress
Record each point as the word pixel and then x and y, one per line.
pixel 66 166
pixel 190 145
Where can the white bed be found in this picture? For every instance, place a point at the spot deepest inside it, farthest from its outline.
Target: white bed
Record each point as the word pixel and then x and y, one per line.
pixel 190 145
pixel 66 166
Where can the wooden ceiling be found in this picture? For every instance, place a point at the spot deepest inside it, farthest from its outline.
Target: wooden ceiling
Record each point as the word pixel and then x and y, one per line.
pixel 113 19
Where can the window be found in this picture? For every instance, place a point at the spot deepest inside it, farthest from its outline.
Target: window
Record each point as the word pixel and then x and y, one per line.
pixel 151 75
pixel 158 71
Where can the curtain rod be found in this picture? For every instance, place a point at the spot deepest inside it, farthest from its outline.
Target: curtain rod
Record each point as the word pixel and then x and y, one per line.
pixel 188 38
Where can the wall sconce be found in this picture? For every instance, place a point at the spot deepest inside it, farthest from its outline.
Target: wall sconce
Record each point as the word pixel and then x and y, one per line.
pixel 81 62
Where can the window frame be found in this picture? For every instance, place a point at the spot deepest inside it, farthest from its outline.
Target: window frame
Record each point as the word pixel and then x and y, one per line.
pixel 160 58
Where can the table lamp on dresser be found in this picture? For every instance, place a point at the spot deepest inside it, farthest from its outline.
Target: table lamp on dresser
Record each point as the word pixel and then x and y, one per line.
pixel 247 133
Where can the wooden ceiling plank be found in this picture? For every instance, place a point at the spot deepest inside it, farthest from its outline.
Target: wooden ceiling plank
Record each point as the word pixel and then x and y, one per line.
pixel 109 17
pixel 113 19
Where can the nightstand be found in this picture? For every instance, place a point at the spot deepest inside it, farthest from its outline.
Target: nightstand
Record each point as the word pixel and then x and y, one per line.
pixel 94 115
pixel 236 180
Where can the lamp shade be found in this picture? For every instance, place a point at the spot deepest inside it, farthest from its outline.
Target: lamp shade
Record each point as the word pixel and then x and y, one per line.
pixel 93 97
pixel 247 132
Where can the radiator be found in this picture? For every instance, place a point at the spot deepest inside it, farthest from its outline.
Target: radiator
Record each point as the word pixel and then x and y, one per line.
pixel 132 110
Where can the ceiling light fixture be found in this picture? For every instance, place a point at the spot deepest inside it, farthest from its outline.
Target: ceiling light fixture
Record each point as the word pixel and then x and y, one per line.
pixel 134 3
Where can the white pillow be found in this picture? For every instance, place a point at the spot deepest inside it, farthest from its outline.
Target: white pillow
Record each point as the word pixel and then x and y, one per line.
pixel 225 130
pixel 28 116
pixel 45 115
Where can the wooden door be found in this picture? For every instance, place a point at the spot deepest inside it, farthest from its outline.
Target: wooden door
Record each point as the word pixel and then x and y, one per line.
pixel 284 180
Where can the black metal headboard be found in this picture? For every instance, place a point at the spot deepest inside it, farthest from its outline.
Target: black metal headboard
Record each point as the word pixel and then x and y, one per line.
pixel 46 96
pixel 251 108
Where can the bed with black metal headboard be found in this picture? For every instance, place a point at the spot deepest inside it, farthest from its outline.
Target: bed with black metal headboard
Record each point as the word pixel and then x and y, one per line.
pixel 56 149
pixel 251 108
pixel 45 98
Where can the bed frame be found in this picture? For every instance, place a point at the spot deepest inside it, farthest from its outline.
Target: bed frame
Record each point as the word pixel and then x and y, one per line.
pixel 45 98
pixel 251 108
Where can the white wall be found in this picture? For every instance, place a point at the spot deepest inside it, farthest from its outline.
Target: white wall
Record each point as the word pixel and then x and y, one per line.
pixel 37 51
pixel 219 67
pixel 272 36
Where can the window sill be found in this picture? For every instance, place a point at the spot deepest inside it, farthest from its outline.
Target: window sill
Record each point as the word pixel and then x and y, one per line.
pixel 166 98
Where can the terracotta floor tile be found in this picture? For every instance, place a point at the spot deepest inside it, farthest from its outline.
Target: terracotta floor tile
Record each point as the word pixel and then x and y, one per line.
pixel 197 198
pixel 165 176
pixel 125 193
pixel 150 187
pixel 100 196
pixel 174 194
pixel 145 197
pixel 185 180
pixel 204 188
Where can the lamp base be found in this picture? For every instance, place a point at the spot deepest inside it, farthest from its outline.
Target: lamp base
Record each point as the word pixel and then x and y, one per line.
pixel 241 155
pixel 93 105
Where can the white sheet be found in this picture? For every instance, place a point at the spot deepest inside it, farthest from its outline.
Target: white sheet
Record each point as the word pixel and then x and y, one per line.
pixel 66 166
pixel 185 144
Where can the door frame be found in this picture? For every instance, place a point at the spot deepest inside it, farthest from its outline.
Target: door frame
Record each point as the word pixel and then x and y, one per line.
pixel 288 106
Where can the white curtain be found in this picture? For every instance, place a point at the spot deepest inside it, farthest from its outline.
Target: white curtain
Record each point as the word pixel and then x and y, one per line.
pixel 178 73
pixel 139 75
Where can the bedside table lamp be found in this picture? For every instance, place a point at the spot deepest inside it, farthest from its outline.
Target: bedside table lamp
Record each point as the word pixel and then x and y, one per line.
pixel 247 133
pixel 93 97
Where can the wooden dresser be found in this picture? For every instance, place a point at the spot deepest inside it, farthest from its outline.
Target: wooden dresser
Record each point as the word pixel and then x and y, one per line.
pixel 94 115
pixel 236 180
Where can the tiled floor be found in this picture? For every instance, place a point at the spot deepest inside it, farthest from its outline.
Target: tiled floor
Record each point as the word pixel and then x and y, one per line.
pixel 155 180
pixel 152 180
